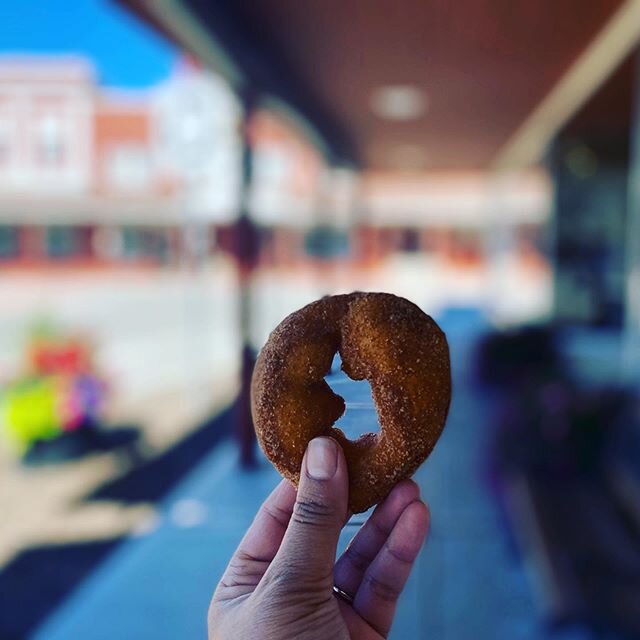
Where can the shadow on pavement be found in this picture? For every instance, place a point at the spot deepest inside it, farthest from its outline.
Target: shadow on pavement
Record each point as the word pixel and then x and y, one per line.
pixel 151 480
pixel 38 580
pixel 34 583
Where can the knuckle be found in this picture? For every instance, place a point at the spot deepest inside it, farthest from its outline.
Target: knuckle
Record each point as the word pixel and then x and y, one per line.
pixel 360 561
pixel 243 564
pixel 311 511
pixel 279 515
pixel 237 567
pixel 243 573
pixel 383 589
pixel 399 556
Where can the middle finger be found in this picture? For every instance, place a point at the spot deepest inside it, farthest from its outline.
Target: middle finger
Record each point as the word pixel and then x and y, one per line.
pixel 352 564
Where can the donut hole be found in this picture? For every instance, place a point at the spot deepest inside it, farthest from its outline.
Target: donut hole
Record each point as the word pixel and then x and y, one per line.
pixel 360 414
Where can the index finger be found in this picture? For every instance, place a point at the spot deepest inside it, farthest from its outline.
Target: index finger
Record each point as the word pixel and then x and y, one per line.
pixel 259 544
pixel 264 536
pixel 366 544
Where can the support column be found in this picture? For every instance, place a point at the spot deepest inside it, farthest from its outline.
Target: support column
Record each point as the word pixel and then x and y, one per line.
pixel 631 349
pixel 246 249
pixel 498 244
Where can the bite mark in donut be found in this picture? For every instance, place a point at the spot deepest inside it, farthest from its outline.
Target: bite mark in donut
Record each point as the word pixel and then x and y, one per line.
pixel 382 338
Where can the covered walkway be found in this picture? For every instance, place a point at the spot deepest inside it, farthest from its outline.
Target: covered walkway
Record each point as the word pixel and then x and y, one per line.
pixel 467 583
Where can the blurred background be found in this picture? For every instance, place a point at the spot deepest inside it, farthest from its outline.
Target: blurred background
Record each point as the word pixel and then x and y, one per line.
pixel 176 176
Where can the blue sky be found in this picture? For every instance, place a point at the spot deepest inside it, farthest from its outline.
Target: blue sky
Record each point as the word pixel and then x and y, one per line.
pixel 125 52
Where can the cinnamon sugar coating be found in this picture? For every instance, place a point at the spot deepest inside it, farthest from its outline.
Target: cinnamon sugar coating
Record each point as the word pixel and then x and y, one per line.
pixel 382 338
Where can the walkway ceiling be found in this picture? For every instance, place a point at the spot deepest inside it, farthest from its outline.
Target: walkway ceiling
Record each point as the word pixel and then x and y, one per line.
pixel 480 67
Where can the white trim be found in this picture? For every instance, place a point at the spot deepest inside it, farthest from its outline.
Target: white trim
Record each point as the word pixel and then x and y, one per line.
pixel 187 29
pixel 610 47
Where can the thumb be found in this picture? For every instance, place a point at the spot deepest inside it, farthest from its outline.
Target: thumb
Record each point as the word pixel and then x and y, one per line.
pixel 308 549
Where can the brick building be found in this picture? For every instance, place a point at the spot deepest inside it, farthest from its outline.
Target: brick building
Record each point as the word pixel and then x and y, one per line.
pixel 81 171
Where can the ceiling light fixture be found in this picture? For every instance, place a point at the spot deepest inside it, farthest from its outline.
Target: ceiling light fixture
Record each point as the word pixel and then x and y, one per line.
pixel 399 102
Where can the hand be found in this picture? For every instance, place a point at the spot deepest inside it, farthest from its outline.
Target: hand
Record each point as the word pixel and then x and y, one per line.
pixel 278 584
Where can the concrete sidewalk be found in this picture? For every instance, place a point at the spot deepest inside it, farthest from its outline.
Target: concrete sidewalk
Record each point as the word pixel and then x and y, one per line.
pixel 466 584
pixel 45 505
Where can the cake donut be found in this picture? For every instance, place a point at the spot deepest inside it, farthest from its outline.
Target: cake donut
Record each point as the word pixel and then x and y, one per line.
pixel 380 337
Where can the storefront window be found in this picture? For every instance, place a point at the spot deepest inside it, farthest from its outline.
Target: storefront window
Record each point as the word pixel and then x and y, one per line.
pixel 9 243
pixel 50 143
pixel 61 242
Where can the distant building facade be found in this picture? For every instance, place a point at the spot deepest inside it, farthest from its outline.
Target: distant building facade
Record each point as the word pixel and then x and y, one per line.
pixel 82 175
pixel 99 176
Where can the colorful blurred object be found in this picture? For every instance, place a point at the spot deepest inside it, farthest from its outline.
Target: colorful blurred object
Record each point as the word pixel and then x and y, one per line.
pixel 47 356
pixel 58 392
pixel 30 413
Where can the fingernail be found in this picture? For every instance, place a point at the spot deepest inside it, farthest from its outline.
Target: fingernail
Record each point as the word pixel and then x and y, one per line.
pixel 322 458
